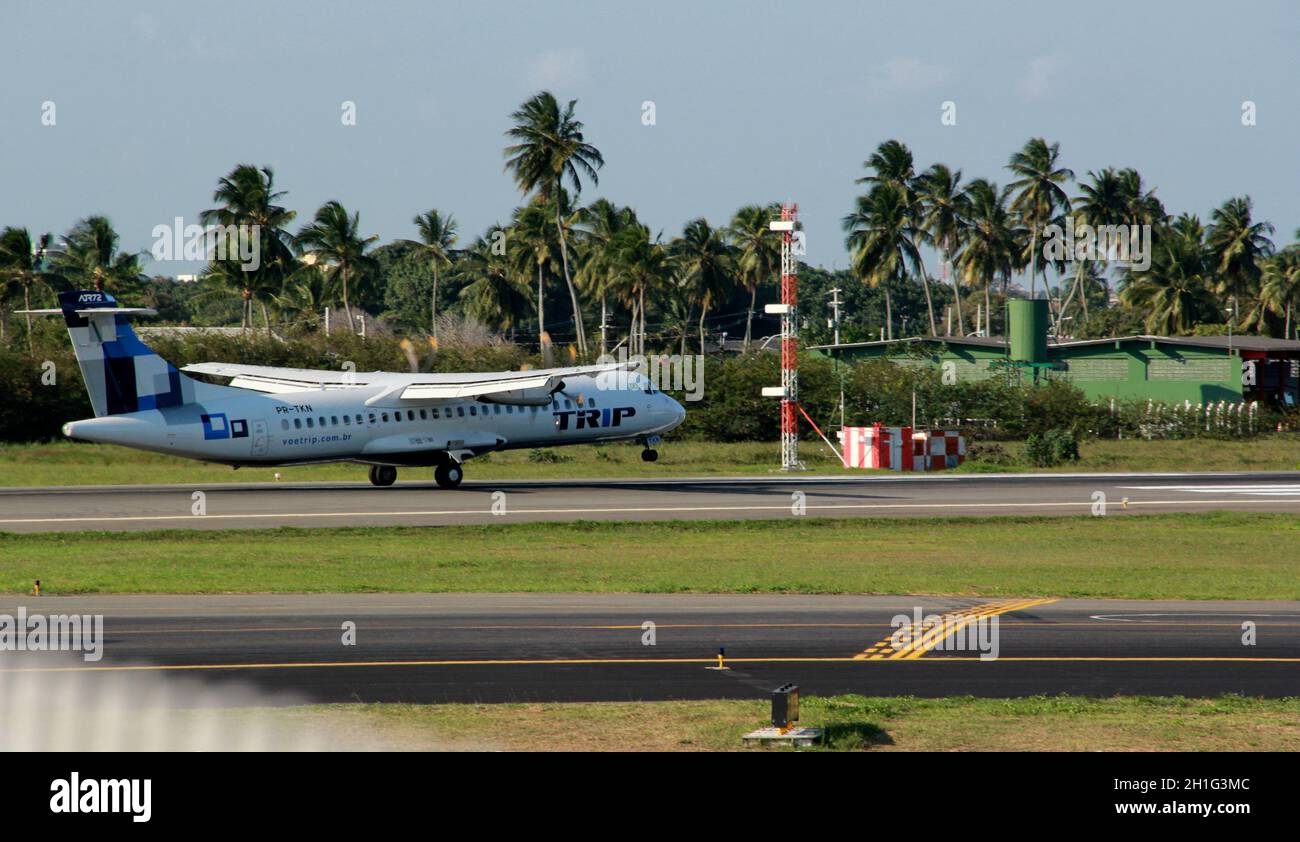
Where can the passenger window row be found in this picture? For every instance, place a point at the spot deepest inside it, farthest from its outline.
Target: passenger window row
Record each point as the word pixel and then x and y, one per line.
pixel 323 421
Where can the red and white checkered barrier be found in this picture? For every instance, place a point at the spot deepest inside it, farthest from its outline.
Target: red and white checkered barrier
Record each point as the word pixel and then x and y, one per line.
pixel 898 449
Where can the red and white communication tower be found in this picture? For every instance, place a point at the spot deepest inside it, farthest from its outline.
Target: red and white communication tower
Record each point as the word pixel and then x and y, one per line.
pixel 788 226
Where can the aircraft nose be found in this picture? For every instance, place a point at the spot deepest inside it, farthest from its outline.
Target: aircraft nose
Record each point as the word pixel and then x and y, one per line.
pixel 677 411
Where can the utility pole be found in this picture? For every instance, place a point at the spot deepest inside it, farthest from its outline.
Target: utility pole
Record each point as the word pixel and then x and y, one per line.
pixel 1232 318
pixel 835 324
pixel 604 325
pixel 835 310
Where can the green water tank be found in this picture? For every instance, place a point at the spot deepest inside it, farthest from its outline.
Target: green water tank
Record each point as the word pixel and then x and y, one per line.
pixel 1027 329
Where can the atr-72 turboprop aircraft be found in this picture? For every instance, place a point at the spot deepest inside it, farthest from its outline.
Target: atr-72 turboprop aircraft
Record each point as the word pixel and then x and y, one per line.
pixel 268 416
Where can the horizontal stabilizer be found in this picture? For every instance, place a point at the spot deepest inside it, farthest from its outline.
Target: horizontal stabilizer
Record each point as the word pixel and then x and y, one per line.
pixel 91 311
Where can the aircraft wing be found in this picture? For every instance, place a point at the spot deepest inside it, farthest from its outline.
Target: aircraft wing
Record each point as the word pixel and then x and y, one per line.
pixel 265 378
pixel 521 387
pixel 527 390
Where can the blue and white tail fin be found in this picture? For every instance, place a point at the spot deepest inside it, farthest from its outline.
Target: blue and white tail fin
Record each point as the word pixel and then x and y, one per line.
pixel 122 374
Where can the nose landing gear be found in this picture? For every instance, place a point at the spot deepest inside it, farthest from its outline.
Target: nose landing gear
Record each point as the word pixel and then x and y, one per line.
pixel 649 442
pixel 383 475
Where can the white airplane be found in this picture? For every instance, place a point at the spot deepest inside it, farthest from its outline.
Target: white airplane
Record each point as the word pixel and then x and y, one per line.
pixel 266 416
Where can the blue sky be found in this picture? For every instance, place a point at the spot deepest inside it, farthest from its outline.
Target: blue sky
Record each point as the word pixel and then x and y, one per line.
pixel 753 102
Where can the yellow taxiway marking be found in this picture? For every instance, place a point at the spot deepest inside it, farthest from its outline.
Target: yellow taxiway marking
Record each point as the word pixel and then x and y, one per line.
pixel 642 661
pixel 640 510
pixel 949 624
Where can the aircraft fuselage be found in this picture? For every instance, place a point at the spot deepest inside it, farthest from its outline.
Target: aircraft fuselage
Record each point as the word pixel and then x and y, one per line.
pixel 343 424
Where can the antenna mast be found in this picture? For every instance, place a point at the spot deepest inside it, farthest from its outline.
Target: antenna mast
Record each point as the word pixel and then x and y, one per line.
pixel 788 391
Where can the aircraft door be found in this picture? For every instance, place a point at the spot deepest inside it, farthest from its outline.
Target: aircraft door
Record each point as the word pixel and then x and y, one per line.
pixel 259 438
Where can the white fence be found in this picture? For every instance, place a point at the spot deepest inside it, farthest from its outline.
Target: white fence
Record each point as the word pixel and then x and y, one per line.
pixel 1161 420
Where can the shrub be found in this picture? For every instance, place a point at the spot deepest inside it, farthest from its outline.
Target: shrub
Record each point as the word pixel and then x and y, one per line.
pixel 989 453
pixel 1054 447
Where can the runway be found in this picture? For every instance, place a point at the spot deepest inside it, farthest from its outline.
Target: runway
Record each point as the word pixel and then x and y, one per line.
pixel 424 648
pixel 416 503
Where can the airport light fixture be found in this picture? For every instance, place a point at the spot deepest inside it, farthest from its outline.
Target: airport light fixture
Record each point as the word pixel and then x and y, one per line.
pixel 785 726
pixel 785 706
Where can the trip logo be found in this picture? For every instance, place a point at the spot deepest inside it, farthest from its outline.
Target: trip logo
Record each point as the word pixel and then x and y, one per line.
pixel 590 419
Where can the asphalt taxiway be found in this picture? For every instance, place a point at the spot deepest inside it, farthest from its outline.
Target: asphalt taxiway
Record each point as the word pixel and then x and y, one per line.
pixel 415 503
pixel 597 647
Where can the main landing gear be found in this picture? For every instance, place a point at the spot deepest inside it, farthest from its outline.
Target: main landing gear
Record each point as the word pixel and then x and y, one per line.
pixel 649 455
pixel 448 475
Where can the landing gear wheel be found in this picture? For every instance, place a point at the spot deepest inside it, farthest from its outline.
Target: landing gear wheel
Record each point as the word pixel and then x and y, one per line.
pixel 649 455
pixel 448 476
pixel 382 475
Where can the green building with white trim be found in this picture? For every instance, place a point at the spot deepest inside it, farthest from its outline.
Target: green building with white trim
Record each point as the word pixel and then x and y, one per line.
pixel 1196 369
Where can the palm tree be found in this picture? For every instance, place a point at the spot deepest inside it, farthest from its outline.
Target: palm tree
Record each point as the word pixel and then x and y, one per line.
pixel 23 262
pixel 758 252
pixel 1280 290
pixel 498 295
pixel 892 164
pixel 306 293
pixel 534 247
pixel 333 239
pixel 248 201
pixel 550 148
pixel 1102 202
pixel 643 267
pixel 1089 283
pixel 992 243
pixel 1238 246
pixel 602 224
pixel 1140 206
pixel 437 236
pixel 8 289
pixel 882 241
pixel 1175 290
pixel 707 265
pixel 1040 196
pixel 943 211
pixel 90 256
